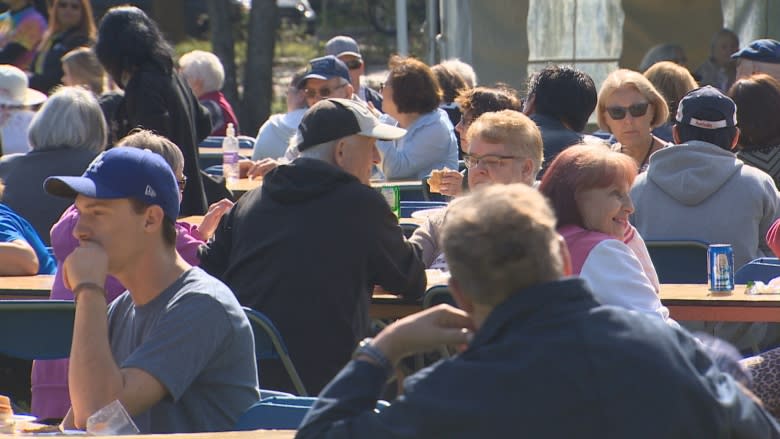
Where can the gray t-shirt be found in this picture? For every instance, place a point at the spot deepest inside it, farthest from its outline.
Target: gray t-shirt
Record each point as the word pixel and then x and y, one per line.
pixel 196 340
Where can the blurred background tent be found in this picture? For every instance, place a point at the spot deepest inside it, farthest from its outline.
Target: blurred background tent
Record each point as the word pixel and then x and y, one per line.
pixel 597 36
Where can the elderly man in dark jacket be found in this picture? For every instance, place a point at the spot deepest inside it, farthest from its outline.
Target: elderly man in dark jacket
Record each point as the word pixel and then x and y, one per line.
pixel 308 246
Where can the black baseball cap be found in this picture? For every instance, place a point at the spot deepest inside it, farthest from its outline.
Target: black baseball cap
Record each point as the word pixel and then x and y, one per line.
pixel 332 119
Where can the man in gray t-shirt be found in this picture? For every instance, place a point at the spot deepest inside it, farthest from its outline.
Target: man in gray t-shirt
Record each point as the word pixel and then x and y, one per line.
pixel 175 349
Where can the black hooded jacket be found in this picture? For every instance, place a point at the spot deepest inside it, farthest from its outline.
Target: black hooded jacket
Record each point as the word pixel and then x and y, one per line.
pixel 306 249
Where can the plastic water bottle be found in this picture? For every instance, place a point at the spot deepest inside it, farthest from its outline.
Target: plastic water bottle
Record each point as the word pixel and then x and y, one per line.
pixel 230 156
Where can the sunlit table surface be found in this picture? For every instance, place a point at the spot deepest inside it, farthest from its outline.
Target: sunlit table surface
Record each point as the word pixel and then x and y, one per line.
pixel 26 287
pixel 696 302
pixel 685 302
pixel 255 434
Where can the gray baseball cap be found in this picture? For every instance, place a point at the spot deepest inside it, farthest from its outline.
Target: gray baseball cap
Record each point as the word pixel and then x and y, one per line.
pixel 342 45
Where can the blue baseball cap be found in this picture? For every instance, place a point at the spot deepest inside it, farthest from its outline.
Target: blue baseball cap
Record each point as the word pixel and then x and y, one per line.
pixel 706 107
pixel 764 50
pixel 325 67
pixel 123 172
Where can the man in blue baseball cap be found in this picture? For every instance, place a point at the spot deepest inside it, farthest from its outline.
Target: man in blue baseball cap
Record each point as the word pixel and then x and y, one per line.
pixel 176 348
pixel 701 181
pixel 760 56
pixel 327 77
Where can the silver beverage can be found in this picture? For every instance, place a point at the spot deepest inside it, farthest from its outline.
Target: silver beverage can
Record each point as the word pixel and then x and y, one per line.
pixel 720 267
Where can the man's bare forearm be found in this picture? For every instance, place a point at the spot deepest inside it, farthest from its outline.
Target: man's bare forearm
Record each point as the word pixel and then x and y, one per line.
pixel 94 377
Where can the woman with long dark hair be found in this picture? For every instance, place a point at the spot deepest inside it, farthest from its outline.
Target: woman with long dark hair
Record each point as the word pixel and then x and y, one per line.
pixel 133 51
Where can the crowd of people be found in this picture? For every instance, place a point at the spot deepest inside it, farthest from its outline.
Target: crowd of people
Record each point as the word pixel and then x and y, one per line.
pixel 543 239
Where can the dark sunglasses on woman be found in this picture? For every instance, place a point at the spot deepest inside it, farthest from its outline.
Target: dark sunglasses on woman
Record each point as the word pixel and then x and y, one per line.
pixel 636 110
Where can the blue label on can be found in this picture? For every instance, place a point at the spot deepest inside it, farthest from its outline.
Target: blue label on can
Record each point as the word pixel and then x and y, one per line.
pixel 720 267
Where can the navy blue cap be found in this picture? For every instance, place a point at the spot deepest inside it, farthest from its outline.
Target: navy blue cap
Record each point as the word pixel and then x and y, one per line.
pixel 764 50
pixel 326 67
pixel 123 172
pixel 706 107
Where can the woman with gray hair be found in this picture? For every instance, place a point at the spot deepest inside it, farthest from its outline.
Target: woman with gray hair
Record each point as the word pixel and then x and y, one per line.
pixel 205 75
pixel 65 135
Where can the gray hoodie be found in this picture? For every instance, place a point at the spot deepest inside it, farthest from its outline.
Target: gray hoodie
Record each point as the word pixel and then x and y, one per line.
pixel 703 192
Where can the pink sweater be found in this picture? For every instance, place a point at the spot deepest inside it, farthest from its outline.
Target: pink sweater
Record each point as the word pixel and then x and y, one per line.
pixel 50 397
pixel 619 273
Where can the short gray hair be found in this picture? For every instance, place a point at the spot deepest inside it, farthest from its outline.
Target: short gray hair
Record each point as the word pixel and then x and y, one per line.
pixel 499 240
pixel 203 66
pixel 465 70
pixel 322 151
pixel 71 117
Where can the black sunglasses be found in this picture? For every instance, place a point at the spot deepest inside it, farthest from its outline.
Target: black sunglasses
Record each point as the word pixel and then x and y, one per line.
pixel 353 64
pixel 74 6
pixel 636 110
pixel 311 93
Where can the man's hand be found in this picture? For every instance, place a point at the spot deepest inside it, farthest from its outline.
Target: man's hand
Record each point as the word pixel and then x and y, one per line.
pixel 261 167
pixel 212 217
pixel 88 263
pixel 424 331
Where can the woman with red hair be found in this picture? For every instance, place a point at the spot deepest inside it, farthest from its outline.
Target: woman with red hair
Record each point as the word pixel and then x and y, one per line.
pixel 588 186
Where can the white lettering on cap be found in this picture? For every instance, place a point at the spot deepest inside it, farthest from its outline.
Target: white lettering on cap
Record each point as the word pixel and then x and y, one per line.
pixel 149 192
pixel 96 164
pixel 708 124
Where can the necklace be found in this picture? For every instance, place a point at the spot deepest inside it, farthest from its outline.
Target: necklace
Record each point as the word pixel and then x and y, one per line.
pixel 647 155
pixel 649 150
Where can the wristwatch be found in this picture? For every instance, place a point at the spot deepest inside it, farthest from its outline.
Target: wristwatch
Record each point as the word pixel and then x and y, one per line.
pixel 366 348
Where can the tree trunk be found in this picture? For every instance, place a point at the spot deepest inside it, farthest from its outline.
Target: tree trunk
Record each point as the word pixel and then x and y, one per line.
pixel 170 17
pixel 222 45
pixel 258 71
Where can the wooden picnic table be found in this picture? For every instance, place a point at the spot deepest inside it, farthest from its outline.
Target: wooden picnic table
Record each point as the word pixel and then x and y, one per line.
pixel 197 219
pixel 685 302
pixel 696 302
pixel 256 434
pixel 245 185
pixel 26 287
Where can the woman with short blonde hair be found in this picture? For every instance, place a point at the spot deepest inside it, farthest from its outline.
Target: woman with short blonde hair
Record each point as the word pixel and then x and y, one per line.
pixel 629 107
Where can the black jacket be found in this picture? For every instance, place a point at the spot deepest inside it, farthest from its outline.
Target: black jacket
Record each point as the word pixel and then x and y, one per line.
pixel 306 249
pixel 550 362
pixel 51 72
pixel 164 104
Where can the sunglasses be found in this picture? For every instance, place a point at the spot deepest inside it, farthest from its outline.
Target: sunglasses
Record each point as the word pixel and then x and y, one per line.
pixel 323 92
pixel 353 64
pixel 182 183
pixel 74 6
pixel 636 110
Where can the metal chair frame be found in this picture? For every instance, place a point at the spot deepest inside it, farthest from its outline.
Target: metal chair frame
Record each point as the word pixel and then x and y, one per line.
pixel 270 333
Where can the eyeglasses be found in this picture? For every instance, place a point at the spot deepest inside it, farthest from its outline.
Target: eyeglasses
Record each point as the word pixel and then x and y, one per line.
pixel 353 64
pixel 74 6
pixel 490 161
pixel 636 110
pixel 182 183
pixel 323 91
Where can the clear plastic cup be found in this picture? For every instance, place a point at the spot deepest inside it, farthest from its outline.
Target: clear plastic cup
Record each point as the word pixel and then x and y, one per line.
pixel 111 420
